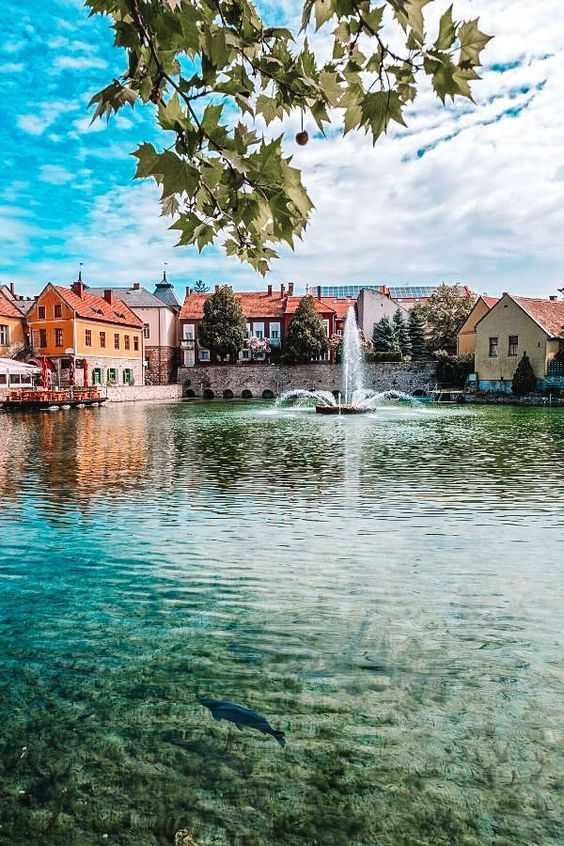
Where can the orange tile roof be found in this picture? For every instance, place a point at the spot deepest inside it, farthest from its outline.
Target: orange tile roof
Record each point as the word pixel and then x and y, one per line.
pixel 489 301
pixel 253 303
pixel 321 306
pixel 339 305
pixel 93 307
pixel 7 308
pixel 549 314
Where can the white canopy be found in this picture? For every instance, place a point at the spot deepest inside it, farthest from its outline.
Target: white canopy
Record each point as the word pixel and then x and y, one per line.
pixel 11 366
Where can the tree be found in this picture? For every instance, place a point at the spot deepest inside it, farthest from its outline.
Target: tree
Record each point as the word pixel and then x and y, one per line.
pixel 401 327
pixel 213 67
pixel 417 334
pixel 524 379
pixel 384 338
pixel 200 287
pixel 444 312
pixel 306 339
pixel 223 326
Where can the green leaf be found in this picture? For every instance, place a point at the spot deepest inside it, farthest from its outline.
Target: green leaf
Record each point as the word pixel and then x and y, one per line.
pixel 447 31
pixel 472 42
pixel 171 115
pixel 147 156
pixel 324 11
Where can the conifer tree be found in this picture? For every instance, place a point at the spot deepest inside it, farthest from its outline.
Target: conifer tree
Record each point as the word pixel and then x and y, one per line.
pixel 306 339
pixel 402 333
pixel 417 334
pixel 223 325
pixel 524 379
pixel 384 336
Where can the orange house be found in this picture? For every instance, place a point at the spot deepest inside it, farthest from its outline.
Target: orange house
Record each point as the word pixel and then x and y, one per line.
pixel 72 327
pixel 12 327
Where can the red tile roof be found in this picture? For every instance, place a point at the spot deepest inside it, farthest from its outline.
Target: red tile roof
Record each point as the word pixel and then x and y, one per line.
pixel 93 307
pixel 321 306
pixel 253 303
pixel 7 308
pixel 489 301
pixel 549 314
pixel 339 305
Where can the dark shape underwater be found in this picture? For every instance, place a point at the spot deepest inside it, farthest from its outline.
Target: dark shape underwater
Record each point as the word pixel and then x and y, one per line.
pixel 222 710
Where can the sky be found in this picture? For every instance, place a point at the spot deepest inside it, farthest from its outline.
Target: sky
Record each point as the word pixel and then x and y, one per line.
pixel 469 193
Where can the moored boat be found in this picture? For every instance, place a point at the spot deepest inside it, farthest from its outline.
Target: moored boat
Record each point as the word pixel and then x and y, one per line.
pixel 43 398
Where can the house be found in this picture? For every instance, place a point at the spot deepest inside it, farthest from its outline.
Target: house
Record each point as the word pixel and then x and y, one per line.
pixel 164 290
pixel 160 330
pixel 513 326
pixel 77 330
pixel 372 306
pixel 13 333
pixel 404 295
pixel 268 315
pixel 466 340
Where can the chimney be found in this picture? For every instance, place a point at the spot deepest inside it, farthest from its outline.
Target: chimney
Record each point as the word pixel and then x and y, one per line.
pixel 12 289
pixel 291 288
pixel 136 286
pixel 269 289
pixel 78 288
pixel 109 296
pixel 217 287
pixel 319 292
pixel 553 298
pixel 282 291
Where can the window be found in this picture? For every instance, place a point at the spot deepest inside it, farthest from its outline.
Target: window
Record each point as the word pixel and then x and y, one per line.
pixel 3 378
pixel 58 337
pixel 204 355
pixel 112 374
pixel 146 330
pixel 127 376
pixel 493 347
pixel 41 312
pixel 97 376
pixel 248 331
pixel 258 330
pixel 245 355
pixel 88 337
pixel 4 335
pixel 127 342
pixel 274 331
pixel 513 345
pixel 136 343
pixel 58 310
pixel 43 337
pixel 188 331
pixel 116 340
pixel 102 339
pixel 326 327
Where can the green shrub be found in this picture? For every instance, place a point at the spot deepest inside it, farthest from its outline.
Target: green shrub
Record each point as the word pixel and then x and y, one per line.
pixel 453 370
pixel 524 379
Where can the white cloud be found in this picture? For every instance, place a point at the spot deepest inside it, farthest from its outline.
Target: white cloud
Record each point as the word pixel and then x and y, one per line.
pixel 78 62
pixel 47 113
pixel 11 67
pixel 55 175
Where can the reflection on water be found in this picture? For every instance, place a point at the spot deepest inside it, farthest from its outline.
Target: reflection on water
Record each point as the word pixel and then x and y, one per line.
pixel 387 590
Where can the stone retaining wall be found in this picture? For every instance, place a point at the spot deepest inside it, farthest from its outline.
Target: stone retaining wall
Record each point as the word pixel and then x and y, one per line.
pixel 407 377
pixel 136 393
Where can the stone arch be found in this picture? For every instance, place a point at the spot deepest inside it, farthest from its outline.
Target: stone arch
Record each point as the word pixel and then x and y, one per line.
pixel 189 393
pixel 228 394
pixel 246 394
pixel 208 393
pixel 267 394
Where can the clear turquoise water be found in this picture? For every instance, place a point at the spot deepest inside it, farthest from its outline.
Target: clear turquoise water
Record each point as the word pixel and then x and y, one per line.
pixel 388 590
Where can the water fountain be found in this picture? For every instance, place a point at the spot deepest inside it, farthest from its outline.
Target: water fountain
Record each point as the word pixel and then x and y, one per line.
pixel 355 399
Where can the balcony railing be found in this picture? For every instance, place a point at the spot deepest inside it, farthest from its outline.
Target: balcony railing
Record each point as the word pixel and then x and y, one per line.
pixel 187 344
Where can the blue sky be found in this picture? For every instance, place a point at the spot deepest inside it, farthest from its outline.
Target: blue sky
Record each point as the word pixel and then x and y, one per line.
pixel 467 193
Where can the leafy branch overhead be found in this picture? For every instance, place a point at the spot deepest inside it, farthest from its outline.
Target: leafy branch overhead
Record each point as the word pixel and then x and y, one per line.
pixel 212 67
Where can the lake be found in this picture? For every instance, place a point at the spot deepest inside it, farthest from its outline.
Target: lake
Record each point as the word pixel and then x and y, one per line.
pixel 386 589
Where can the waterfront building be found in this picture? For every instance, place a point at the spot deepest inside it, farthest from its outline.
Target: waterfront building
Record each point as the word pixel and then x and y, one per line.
pixel 372 306
pixel 466 340
pixel 268 315
pixel 517 325
pixel 12 324
pixel 160 329
pixel 76 329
